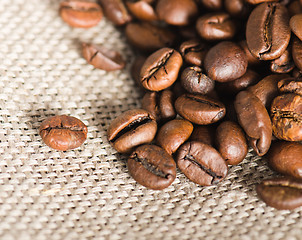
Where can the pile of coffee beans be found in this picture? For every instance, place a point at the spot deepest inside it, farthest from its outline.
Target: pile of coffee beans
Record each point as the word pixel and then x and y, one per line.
pixel 217 77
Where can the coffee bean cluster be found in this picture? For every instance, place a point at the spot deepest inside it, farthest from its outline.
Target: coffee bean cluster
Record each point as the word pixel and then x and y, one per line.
pixel 217 76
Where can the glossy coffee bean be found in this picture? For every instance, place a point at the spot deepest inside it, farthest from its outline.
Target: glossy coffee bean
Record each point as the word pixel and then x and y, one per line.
pixel 216 26
pixel 160 69
pixel 63 132
pixel 286 114
pixel 231 142
pixel 173 134
pixel 115 11
pixel 281 193
pixel 225 62
pixel 296 25
pixel 284 63
pixel 255 121
pixel 286 158
pixel 201 163
pixel 290 85
pixel 142 10
pixel 267 31
pixel 152 167
pixel 193 51
pixel 130 129
pixel 79 13
pixel 102 58
pixel 199 109
pixel 297 52
pixel 204 134
pixel 194 80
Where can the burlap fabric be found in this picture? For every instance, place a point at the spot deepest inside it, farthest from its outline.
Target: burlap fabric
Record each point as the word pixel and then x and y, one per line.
pixel 87 193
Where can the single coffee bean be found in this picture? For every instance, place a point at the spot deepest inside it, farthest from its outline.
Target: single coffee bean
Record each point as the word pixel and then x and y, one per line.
pixel 231 142
pixel 290 85
pixel 204 134
pixel 212 5
pixel 142 10
pixel 201 163
pixel 255 121
pixel 174 133
pixel 193 51
pixel 102 58
pixel 237 8
pixel 195 81
pixel 199 109
pixel 225 62
pixel 79 13
pixel 286 114
pixel 286 158
pixel 297 52
pixel 160 69
pixel 130 129
pixel 296 25
pixel 152 167
pixel 284 63
pixel 216 26
pixel 63 132
pixel 267 31
pixel 281 193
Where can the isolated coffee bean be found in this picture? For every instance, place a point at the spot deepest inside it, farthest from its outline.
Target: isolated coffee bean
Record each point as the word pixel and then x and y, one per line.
pixel 174 133
pixel 290 85
pixel 102 58
pixel 79 13
pixel 199 109
pixel 160 69
pixel 63 132
pixel 286 158
pixel 297 52
pixel 267 31
pixel 130 129
pixel 281 193
pixel 255 121
pixel 204 134
pixel 115 11
pixel 201 163
pixel 152 167
pixel 286 114
pixel 193 51
pixel 284 63
pixel 142 10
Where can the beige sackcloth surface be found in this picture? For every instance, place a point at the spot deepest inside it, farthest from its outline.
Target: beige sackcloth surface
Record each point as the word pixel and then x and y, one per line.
pixel 87 193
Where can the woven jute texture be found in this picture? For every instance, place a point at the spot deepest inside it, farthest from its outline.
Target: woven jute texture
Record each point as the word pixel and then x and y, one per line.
pixel 87 193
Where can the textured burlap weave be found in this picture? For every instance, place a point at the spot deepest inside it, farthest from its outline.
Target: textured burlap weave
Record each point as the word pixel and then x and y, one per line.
pixel 87 193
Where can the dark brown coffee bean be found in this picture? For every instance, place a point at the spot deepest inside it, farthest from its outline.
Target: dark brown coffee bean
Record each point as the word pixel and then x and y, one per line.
pixel 142 10
pixel 79 13
pixel 231 142
pixel 213 5
pixel 255 121
pixel 130 129
pixel 174 133
pixel 237 8
pixel 187 32
pixel 176 12
pixel 296 25
pixel 216 26
pixel 63 132
pixel 193 51
pixel 195 81
pixel 285 157
pixel 160 69
pixel 225 62
pixel 135 70
pixel 267 31
pixel 204 134
pixel 115 11
pixel 102 58
pixel 290 85
pixel 286 114
pixel 297 52
pixel 199 109
pixel 284 63
pixel 201 163
pixel 152 167
pixel 147 37
pixel 281 193
pixel 160 105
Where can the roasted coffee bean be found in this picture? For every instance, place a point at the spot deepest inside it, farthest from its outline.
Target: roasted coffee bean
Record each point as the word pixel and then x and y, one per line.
pixel 204 134
pixel 174 133
pixel 237 8
pixel 290 85
pixel 160 69
pixel 115 11
pixel 79 13
pixel 176 12
pixel 231 142
pixel 259 1
pixel 130 129
pixel 225 62
pixel 193 51
pixel 267 31
pixel 216 26
pixel 201 163
pixel 194 80
pixel 294 8
pixel 213 5
pixel 187 32
pixel 297 52
pixel 142 10
pixel 296 25
pixel 251 59
pixel 152 167
pixel 255 121
pixel 286 158
pixel 102 58
pixel 284 63
pixel 160 105
pixel 135 70
pixel 286 114
pixel 63 132
pixel 281 193
pixel 199 109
